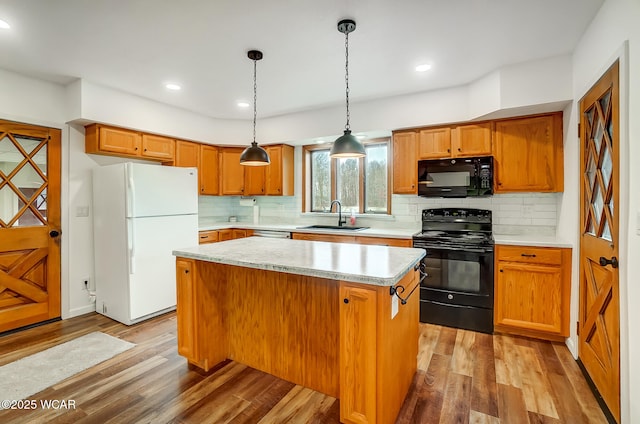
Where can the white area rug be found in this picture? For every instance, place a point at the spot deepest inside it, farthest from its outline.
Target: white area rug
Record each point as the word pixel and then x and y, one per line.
pixel 32 374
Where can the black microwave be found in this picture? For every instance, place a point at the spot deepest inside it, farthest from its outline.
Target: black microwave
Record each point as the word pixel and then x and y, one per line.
pixel 459 177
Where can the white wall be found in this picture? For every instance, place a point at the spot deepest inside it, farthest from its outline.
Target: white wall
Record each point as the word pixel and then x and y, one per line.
pixel 614 33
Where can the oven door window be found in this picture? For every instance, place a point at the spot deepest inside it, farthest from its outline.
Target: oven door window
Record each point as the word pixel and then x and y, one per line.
pixel 454 271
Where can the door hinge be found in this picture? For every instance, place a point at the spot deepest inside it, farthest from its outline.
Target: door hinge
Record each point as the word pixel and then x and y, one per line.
pixel 578 328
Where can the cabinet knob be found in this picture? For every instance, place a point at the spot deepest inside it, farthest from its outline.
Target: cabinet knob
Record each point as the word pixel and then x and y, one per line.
pixel 186 271
pixel 448 150
pixel 459 149
pixel 501 271
pixel 345 300
pixel 145 150
pixel 135 148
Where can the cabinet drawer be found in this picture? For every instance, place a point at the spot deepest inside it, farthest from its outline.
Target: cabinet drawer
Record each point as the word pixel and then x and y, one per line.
pixel 210 236
pixel 382 241
pixel 533 255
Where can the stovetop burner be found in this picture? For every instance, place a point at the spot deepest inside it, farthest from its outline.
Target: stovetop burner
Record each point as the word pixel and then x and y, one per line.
pixel 455 228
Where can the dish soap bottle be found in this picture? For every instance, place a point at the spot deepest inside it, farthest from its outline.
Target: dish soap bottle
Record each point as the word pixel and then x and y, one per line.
pixel 352 218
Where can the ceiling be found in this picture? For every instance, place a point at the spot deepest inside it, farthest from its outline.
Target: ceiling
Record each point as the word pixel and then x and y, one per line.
pixel 139 45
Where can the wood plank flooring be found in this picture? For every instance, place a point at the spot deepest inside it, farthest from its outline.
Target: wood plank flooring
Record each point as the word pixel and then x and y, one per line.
pixel 463 377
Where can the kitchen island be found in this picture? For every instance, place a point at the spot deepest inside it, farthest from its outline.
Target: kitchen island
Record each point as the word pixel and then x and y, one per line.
pixel 328 316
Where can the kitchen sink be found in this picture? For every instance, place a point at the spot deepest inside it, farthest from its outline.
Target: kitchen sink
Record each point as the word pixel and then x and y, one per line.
pixel 333 227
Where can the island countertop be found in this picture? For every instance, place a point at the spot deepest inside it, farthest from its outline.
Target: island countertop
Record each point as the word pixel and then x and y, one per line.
pixel 368 264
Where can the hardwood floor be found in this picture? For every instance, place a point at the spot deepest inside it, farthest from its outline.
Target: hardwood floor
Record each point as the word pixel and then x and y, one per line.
pixel 463 377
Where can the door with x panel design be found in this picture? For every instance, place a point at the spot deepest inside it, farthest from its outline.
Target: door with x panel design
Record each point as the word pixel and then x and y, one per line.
pixel 599 316
pixel 29 224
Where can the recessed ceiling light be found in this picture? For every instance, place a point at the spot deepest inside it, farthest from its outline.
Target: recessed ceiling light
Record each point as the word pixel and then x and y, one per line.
pixel 360 136
pixel 423 68
pixel 4 24
pixel 173 87
pixel 319 141
pixel 243 104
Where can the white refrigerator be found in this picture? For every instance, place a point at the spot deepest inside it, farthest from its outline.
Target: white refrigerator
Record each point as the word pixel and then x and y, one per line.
pixel 141 213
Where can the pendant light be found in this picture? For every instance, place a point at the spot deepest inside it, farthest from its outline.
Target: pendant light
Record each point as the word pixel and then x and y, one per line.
pixel 347 146
pixel 254 155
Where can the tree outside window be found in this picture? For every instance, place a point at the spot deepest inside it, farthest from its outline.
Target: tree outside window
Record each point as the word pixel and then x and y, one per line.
pixel 361 184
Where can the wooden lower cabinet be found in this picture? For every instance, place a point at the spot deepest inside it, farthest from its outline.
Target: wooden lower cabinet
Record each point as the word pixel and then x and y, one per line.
pixel 209 236
pixel 532 291
pixel 338 238
pixel 213 236
pixel 185 310
pixel 351 341
pixel 358 352
pixel 378 350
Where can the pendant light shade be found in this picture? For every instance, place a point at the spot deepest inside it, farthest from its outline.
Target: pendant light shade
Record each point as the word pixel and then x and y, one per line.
pixel 347 146
pixel 254 155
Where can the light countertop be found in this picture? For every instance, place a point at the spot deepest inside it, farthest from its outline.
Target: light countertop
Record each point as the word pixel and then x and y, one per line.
pixel 401 233
pixel 368 264
pixel 531 240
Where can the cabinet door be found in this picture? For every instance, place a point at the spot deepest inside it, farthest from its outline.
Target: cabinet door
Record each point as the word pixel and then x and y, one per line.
pixel 237 233
pixel 434 143
pixel 471 140
pixel 529 297
pixel 357 354
pixel 231 172
pixel 156 147
pixel 254 180
pixel 210 236
pixel 116 140
pixel 405 165
pixel 528 154
pixel 208 170
pixel 383 241
pixel 323 237
pixel 279 174
pixel 226 234
pixel 186 309
pixel 187 154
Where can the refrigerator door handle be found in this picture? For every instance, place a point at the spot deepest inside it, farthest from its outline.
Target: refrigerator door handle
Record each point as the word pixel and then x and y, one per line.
pixel 131 192
pixel 132 246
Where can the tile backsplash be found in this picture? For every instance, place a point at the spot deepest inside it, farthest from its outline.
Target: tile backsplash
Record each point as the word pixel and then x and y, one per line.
pixel 527 213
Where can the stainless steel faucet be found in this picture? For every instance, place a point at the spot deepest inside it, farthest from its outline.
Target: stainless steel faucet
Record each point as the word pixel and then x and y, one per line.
pixel 340 220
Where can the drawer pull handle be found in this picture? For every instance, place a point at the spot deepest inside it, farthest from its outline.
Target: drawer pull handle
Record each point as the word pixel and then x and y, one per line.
pixel 526 255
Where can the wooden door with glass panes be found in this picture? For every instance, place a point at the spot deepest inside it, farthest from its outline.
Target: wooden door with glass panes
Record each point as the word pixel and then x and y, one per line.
pixel 29 224
pixel 599 316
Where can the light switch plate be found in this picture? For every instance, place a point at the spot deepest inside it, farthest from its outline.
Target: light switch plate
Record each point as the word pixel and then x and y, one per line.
pixel 82 211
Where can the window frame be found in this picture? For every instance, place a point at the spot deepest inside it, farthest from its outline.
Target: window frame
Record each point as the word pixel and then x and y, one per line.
pixel 306 174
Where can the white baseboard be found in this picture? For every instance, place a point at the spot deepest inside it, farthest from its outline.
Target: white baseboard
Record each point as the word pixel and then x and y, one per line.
pixel 80 311
pixel 571 345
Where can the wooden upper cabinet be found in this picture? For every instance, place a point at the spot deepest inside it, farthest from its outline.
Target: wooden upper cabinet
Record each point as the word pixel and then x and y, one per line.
pixel 187 154
pixel 112 141
pixel 434 143
pixel 279 174
pixel 254 180
pixel 471 140
pixel 208 170
pixel 405 165
pixel 231 172
pixel 157 147
pixel 528 154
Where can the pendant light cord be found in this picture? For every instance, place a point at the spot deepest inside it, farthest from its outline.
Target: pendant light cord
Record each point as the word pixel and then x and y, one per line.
pixel 255 100
pixel 346 77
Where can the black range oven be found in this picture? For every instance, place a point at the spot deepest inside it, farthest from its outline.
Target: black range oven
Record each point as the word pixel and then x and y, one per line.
pixel 457 283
